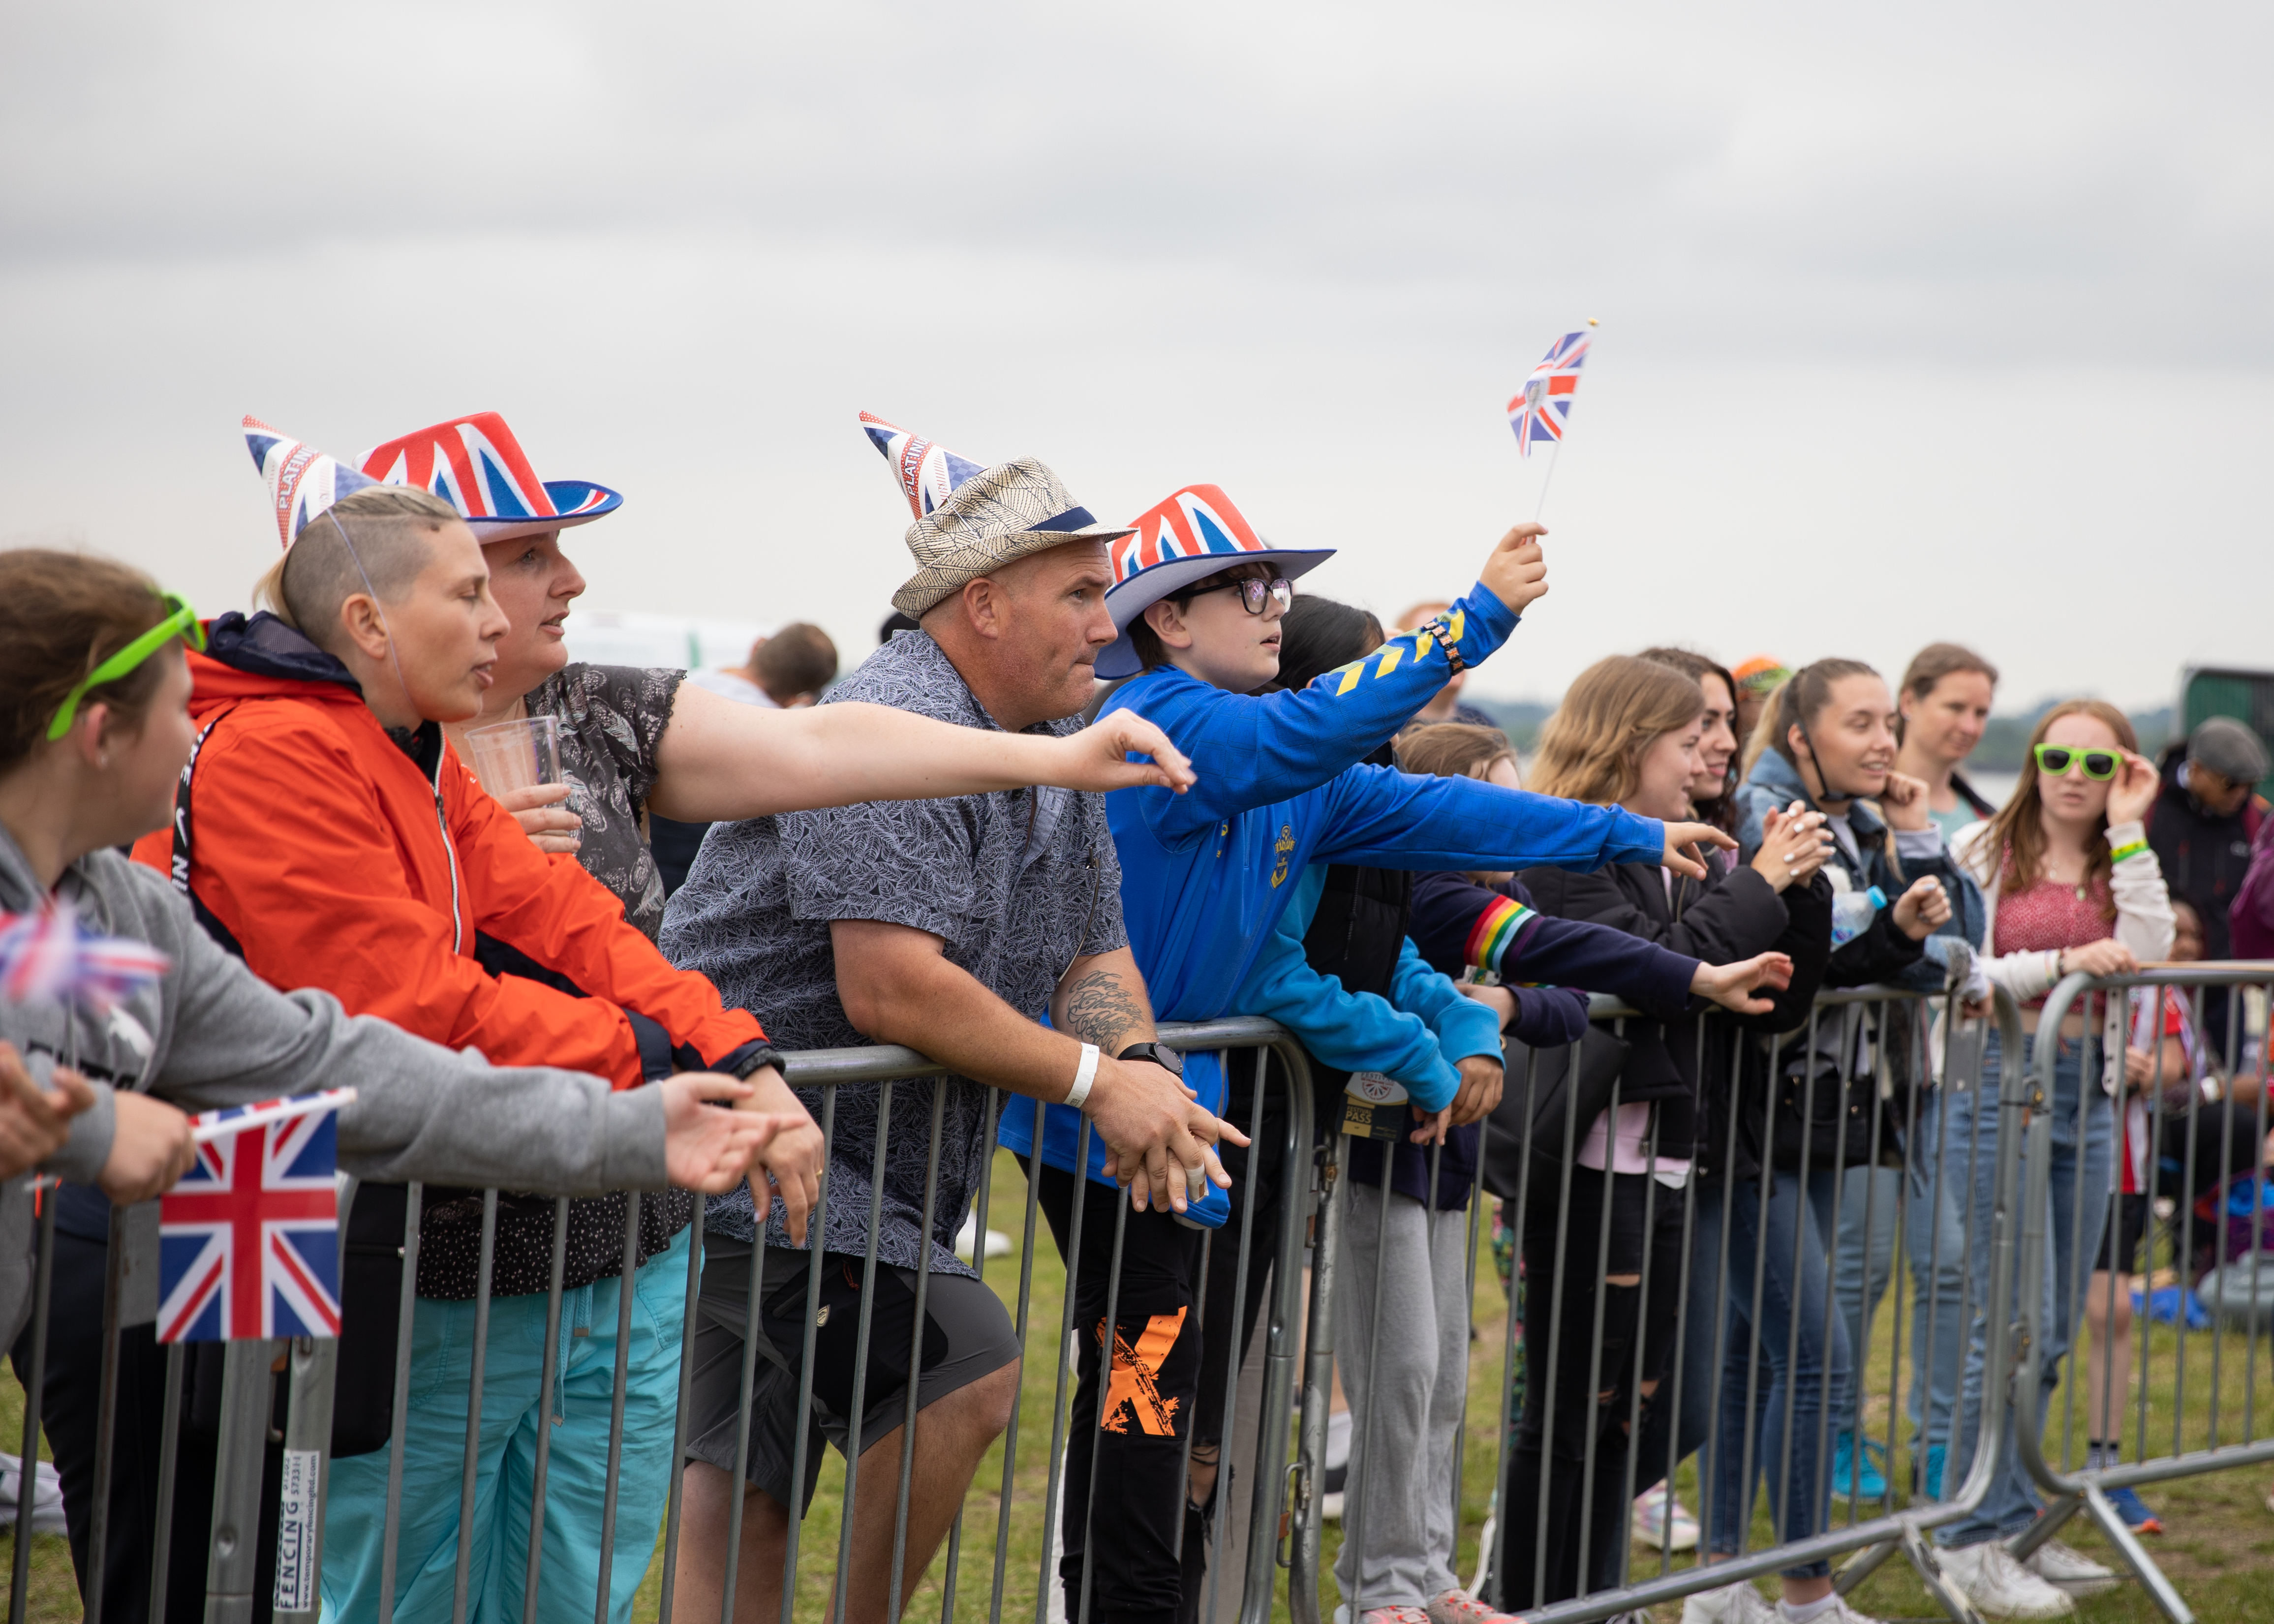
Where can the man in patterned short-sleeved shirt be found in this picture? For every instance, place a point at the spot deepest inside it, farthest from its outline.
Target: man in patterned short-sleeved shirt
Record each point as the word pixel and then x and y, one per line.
pixel 955 927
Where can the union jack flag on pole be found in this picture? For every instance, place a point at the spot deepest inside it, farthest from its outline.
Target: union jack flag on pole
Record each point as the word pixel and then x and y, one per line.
pixel 49 954
pixel 1541 409
pixel 248 1242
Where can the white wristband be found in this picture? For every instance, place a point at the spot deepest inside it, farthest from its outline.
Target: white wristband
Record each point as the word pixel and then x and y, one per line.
pixel 1084 1075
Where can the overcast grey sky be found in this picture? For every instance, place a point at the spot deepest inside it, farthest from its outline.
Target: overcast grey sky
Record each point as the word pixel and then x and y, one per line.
pixel 1938 321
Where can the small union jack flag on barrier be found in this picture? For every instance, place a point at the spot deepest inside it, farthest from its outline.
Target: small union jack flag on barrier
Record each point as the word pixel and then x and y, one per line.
pixel 248 1242
pixel 1542 408
pixel 50 955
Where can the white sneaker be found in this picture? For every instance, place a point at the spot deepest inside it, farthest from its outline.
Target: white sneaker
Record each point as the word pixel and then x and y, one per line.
pixel 2072 1569
pixel 1651 1521
pixel 1730 1604
pixel 1991 1579
pixel 47 1495
pixel 1838 1613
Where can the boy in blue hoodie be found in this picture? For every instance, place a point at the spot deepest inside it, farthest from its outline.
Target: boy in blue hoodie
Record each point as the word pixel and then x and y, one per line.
pixel 1203 885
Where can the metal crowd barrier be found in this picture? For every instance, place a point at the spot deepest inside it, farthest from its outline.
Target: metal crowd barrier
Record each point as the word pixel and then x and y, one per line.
pixel 307 1369
pixel 1881 1035
pixel 1934 1141
pixel 2187 1168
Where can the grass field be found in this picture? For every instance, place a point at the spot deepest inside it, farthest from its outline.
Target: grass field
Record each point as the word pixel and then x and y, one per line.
pixel 2219 1550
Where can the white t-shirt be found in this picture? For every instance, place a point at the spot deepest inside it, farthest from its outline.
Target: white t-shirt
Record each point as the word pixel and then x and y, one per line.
pixel 741 690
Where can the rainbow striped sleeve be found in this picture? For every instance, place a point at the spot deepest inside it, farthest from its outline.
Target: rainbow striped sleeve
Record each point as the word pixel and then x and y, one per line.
pixel 1502 921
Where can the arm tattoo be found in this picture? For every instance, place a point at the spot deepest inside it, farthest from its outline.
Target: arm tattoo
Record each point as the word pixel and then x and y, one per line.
pixel 1100 1010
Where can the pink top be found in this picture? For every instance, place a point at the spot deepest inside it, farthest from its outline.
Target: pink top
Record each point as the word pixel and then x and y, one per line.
pixel 2047 917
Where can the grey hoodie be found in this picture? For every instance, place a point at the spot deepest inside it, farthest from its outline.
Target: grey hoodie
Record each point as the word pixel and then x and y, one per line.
pixel 210 1033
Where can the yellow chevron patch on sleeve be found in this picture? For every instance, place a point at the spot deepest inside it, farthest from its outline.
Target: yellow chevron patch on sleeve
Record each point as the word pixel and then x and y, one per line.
pixel 1455 624
pixel 1350 675
pixel 1392 653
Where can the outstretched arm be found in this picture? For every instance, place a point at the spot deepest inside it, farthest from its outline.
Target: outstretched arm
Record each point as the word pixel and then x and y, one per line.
pixel 719 762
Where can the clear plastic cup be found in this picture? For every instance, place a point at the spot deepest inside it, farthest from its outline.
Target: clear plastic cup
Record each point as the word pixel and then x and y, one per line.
pixel 511 755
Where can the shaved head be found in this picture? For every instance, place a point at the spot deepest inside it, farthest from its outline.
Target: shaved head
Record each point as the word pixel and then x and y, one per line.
pixel 392 529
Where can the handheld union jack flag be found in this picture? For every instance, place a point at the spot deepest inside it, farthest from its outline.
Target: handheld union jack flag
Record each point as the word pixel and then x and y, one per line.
pixel 1541 409
pixel 248 1242
pixel 50 955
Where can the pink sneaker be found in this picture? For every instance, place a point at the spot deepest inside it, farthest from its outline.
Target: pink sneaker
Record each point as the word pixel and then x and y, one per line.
pixel 1393 1615
pixel 1460 1607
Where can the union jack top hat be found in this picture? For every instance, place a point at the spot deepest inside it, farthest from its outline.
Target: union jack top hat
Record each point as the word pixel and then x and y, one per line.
pixel 1187 538
pixel 475 465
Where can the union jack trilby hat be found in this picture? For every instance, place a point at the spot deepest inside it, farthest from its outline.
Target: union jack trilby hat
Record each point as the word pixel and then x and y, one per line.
pixel 1187 538
pixel 475 465
pixel 301 480
pixel 972 519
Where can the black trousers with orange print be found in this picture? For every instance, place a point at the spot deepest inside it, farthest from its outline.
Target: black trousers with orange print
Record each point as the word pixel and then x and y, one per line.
pixel 1136 1457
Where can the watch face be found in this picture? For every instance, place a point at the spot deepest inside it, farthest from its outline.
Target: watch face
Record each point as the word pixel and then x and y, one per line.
pixel 1167 1057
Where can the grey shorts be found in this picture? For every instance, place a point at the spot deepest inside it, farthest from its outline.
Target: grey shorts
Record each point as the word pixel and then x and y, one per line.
pixel 968 1334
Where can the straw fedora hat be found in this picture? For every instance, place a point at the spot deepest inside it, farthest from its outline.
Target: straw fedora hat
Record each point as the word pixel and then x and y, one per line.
pixel 970 519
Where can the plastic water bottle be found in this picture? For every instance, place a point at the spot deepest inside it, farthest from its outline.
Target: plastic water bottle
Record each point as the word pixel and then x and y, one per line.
pixel 1852 913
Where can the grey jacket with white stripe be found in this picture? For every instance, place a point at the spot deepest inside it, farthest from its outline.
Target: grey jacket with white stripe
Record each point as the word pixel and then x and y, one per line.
pixel 210 1033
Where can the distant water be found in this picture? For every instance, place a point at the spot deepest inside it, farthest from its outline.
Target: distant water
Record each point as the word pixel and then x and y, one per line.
pixel 1993 787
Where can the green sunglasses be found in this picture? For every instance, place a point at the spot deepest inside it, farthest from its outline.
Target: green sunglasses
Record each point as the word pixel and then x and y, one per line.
pixel 182 623
pixel 2057 759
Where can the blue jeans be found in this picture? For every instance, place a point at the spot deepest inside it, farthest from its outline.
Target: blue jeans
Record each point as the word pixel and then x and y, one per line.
pixel 514 1406
pixel 2082 1157
pixel 1790 1363
pixel 1863 1254
pixel 1940 1249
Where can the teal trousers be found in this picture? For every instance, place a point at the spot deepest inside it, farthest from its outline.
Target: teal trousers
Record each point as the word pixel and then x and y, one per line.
pixel 515 1405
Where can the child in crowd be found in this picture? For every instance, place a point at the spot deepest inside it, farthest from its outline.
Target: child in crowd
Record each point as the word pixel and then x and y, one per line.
pixel 2167 1069
pixel 1628 733
pixel 1528 968
pixel 1205 878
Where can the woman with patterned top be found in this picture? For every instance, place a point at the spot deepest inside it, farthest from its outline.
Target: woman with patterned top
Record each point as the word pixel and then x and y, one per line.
pixel 2071 886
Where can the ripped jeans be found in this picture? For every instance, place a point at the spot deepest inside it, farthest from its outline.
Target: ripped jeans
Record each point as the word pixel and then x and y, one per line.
pixel 1565 1417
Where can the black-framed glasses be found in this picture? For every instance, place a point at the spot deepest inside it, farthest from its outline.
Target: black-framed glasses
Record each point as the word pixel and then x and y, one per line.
pixel 1255 594
pixel 2056 759
pixel 182 622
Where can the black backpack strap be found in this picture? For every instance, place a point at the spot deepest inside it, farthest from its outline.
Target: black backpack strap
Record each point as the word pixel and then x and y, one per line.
pixel 179 869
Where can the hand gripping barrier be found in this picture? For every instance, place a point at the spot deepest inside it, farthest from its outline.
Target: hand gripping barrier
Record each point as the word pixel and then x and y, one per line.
pixel 244 1565
pixel 2199 1120
pixel 1716 1307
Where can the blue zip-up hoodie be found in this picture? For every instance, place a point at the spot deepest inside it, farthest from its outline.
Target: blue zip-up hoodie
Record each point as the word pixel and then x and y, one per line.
pixel 1417 1035
pixel 1204 874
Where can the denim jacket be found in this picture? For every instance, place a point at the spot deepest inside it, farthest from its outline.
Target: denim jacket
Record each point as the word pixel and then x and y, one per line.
pixel 1775 783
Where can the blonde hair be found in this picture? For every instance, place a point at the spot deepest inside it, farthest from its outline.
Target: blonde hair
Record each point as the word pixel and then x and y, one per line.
pixel 389 525
pixel 1591 750
pixel 1765 731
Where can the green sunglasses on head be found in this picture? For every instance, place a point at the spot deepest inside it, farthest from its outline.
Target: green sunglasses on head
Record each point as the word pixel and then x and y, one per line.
pixel 2057 759
pixel 182 623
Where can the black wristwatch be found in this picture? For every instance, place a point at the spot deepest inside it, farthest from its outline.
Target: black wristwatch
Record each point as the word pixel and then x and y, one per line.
pixel 1159 1054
